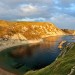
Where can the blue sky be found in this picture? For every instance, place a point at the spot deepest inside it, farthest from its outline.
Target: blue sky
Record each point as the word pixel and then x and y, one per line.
pixel 59 12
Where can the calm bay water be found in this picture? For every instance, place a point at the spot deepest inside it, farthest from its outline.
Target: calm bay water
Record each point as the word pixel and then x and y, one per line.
pixel 38 56
pixel 43 54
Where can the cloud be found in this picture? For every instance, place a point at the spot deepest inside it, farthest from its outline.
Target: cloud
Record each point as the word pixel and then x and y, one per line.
pixel 67 2
pixel 64 21
pixel 29 8
pixel 27 1
pixel 39 10
pixel 32 19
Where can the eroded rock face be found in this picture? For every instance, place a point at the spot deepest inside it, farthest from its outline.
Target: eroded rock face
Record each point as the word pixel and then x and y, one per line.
pixel 68 31
pixel 30 30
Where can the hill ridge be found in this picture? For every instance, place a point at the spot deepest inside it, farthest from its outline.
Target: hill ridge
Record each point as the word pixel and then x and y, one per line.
pixel 31 30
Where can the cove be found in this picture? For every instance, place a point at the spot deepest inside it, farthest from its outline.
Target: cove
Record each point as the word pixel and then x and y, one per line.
pixel 34 57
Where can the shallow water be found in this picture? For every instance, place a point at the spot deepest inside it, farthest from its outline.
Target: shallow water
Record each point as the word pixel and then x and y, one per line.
pixel 36 56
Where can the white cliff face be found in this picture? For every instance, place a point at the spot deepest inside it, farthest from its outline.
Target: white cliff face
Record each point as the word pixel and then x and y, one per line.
pixel 18 36
pixel 74 33
pixel 39 30
pixel 24 29
pixel 30 30
pixel 15 40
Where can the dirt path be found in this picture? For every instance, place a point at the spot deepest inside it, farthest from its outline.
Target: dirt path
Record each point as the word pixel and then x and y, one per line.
pixel 3 72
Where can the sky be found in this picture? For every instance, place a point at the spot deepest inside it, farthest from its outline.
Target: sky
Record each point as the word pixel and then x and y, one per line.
pixel 59 12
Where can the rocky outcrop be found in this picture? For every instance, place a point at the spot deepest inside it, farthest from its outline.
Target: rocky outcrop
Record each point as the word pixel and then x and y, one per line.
pixel 18 36
pixel 72 71
pixel 68 31
pixel 61 44
pixel 30 30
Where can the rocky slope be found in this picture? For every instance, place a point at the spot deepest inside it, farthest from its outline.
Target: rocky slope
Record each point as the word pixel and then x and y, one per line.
pixel 30 30
pixel 68 31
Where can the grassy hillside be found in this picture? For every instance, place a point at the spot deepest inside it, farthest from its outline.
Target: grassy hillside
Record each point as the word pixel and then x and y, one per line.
pixel 63 65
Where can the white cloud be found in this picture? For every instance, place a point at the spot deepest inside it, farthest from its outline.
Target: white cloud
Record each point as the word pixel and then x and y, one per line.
pixel 27 1
pixel 32 19
pixel 62 12
pixel 28 8
pixel 64 21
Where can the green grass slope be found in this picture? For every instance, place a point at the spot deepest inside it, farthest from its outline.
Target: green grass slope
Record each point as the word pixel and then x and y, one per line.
pixel 63 65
